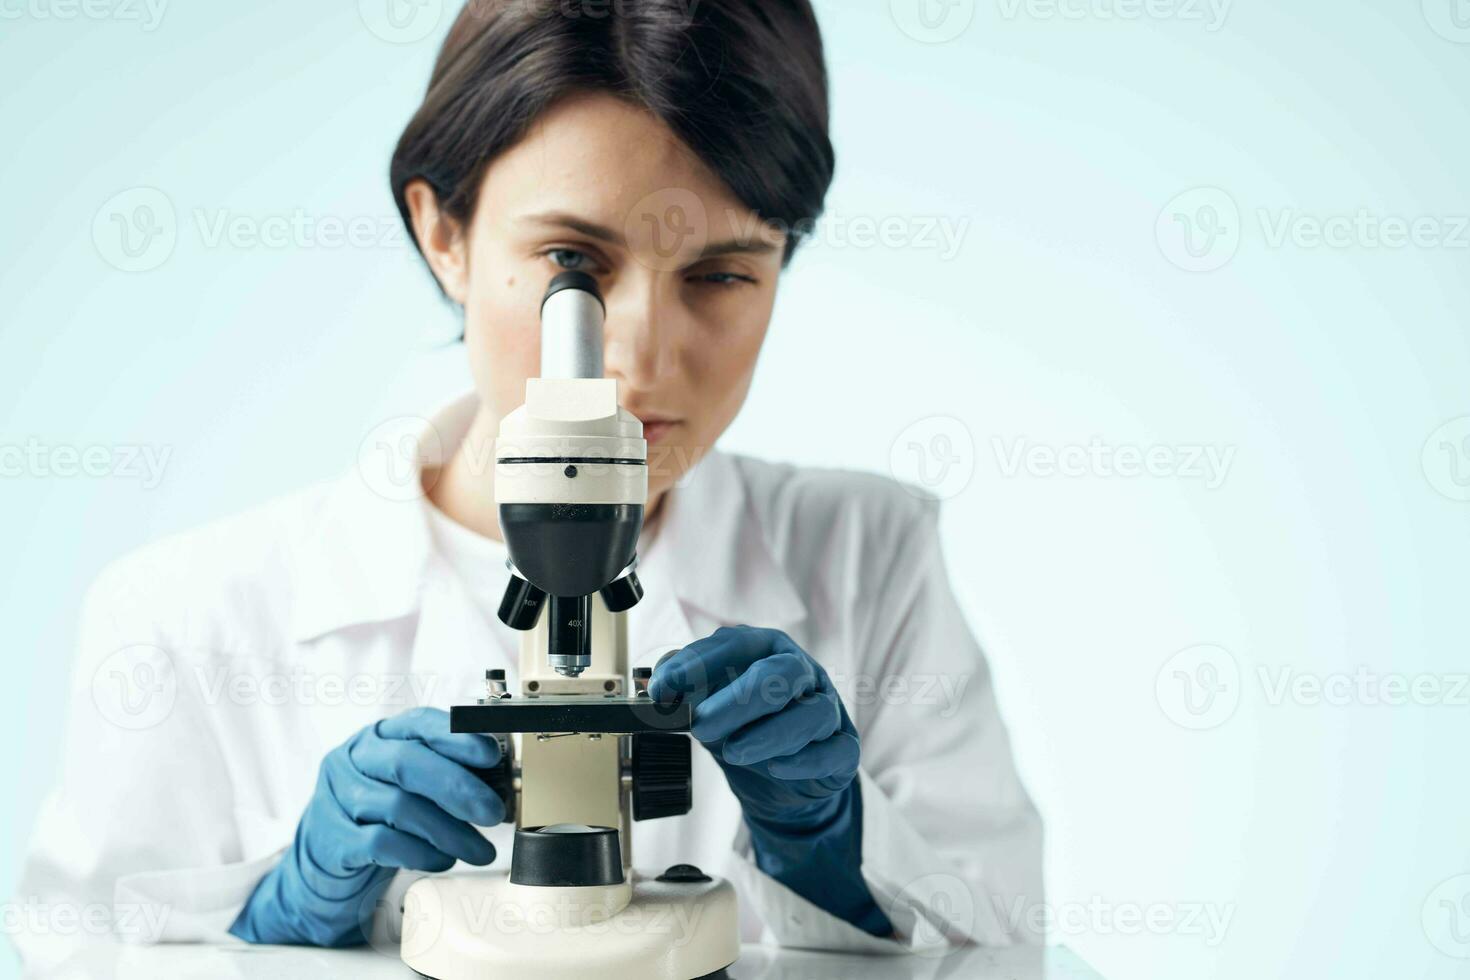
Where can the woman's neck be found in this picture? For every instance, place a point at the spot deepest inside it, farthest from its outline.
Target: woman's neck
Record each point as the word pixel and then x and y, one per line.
pixel 463 488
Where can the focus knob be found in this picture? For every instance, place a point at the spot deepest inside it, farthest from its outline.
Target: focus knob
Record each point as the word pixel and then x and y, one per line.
pixel 501 777
pixel 663 780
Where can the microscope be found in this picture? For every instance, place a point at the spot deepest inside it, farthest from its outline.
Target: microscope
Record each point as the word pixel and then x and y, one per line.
pixel 585 751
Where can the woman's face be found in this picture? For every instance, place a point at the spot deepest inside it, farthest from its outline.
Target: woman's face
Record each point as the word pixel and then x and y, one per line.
pixel 688 274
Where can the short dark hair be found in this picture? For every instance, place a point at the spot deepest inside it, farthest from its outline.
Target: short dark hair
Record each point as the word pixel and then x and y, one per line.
pixel 741 82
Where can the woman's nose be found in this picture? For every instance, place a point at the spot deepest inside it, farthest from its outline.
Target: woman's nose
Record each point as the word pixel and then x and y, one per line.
pixel 641 337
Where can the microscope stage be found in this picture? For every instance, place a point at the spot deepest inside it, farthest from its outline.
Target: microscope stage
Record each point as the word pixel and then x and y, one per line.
pixel 572 713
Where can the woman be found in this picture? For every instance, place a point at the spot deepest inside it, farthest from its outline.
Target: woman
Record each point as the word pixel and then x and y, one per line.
pixel 291 754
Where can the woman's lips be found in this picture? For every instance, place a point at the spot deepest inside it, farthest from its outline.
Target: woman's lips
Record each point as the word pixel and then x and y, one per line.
pixel 655 431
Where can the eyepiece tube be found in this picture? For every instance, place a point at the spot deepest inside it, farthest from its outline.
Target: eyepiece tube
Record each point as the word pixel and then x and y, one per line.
pixel 571 327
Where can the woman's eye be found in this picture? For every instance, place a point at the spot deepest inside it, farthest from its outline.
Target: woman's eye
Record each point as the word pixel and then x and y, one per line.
pixel 570 258
pixel 723 279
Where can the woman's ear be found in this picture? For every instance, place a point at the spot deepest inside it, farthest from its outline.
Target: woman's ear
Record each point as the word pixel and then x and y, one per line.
pixel 440 238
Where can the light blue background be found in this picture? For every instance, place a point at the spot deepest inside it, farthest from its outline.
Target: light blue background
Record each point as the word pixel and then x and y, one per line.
pixel 1059 136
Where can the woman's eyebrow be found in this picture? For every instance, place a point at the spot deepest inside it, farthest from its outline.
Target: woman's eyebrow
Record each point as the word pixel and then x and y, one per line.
pixel 737 246
pixel 562 219
pixel 602 233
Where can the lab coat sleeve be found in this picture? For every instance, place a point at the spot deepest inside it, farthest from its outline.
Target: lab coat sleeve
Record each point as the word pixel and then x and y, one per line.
pixel 951 843
pixel 140 839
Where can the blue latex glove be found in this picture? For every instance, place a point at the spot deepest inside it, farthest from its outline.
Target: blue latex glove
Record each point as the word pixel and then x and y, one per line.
pixel 773 721
pixel 395 795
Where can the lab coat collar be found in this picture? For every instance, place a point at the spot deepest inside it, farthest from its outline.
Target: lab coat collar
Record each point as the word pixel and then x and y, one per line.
pixel 717 553
pixel 365 558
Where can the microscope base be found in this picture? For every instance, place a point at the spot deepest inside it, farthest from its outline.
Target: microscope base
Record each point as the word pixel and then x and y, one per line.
pixel 479 926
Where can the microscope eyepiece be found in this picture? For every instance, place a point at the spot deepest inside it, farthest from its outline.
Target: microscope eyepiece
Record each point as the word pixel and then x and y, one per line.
pixel 572 279
pixel 572 314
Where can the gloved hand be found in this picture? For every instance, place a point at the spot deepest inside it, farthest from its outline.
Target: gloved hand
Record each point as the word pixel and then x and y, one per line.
pixel 395 795
pixel 770 716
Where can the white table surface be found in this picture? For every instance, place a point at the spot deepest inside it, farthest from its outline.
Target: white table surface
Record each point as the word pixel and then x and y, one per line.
pixel 109 961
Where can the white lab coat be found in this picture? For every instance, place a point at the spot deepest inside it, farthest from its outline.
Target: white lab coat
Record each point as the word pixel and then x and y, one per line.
pixel 217 667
